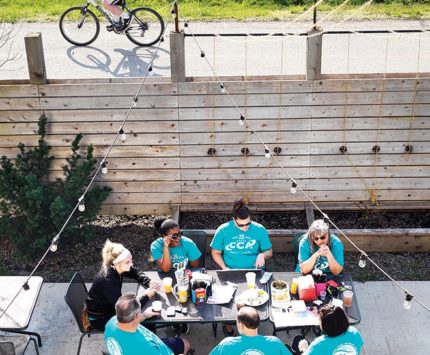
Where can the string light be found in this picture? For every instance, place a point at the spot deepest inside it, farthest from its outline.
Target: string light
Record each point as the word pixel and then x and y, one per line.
pixel 123 135
pixel 222 88
pixel 407 302
pixel 293 188
pixel 202 54
pixel 54 243
pixel 26 286
pixel 104 167
pixel 362 261
pixel 81 206
pixel 135 99
pixel 150 70
pixel 241 120
pixel 173 13
pixel 266 152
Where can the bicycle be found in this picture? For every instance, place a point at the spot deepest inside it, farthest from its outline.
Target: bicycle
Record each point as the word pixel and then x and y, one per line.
pixel 81 27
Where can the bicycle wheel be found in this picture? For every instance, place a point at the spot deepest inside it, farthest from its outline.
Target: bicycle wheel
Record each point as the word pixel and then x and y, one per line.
pixel 146 27
pixel 79 26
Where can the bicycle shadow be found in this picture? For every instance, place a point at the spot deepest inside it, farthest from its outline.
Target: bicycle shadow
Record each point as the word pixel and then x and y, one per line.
pixel 132 63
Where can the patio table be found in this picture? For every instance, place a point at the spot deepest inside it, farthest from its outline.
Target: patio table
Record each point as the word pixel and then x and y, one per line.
pixel 207 313
pixel 352 312
pixel 18 316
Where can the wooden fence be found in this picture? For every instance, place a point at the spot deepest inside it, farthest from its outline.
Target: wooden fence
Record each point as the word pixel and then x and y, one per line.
pixel 166 161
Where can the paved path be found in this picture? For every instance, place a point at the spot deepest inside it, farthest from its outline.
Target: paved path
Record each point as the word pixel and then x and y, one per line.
pixel 115 56
pixel 386 327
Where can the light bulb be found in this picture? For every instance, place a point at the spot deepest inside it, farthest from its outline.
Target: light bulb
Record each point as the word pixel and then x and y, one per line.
pixel 362 261
pixel 104 168
pixel 81 206
pixel 53 248
pixel 241 120
pixel 173 13
pixel 407 302
pixel 222 88
pixel 293 188
pixel 266 152
pixel 150 70
pixel 202 54
pixel 54 245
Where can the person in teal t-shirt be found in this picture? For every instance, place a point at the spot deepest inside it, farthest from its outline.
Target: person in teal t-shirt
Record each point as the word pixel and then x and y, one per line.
pixel 241 243
pixel 124 335
pixel 318 249
pixel 338 337
pixel 172 250
pixel 250 342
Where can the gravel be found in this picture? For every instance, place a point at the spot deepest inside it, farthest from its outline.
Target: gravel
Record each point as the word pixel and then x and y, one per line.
pixel 135 232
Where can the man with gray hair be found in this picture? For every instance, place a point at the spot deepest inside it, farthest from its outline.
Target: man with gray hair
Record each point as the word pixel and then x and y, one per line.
pixel 125 335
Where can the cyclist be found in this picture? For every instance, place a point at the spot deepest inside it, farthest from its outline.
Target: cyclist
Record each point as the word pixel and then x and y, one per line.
pixel 119 14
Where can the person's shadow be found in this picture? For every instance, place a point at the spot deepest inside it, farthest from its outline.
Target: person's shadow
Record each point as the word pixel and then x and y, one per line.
pixel 133 63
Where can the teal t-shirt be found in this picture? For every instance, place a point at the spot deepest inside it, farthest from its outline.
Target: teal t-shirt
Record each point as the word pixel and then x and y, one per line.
pixel 240 249
pixel 185 252
pixel 305 253
pixel 348 343
pixel 119 342
pixel 246 345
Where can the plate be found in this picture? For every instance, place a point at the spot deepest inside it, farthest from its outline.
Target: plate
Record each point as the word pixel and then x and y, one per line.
pixel 254 297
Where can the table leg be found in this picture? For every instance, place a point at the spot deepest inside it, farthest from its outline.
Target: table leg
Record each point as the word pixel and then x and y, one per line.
pixel 39 339
pixel 214 328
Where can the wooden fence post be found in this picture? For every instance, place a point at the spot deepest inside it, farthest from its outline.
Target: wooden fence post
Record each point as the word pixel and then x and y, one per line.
pixel 313 54
pixel 35 58
pixel 177 56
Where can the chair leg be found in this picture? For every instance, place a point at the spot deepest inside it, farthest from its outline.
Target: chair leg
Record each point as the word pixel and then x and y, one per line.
pixel 80 343
pixel 214 329
pixel 35 345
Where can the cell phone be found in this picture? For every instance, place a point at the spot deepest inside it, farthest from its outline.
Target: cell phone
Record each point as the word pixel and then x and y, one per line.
pixel 171 312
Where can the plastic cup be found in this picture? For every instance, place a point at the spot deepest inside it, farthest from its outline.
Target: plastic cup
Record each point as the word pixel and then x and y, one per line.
pixel 250 279
pixel 167 284
pixel 323 295
pixel 347 298
pixel 294 286
pixel 156 306
pixel 240 302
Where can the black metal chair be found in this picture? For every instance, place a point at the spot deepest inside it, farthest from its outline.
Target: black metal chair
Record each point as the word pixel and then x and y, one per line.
pixel 199 237
pixel 16 345
pixel 75 297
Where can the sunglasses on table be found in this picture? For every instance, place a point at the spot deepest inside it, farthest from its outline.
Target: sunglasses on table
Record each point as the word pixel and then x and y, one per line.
pixel 244 224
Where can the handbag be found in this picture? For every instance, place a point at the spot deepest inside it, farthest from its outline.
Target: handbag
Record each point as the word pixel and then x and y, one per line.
pixel 85 318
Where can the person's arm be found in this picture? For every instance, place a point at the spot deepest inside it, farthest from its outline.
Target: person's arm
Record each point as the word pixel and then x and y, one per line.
pixel 308 265
pixel 165 262
pixel 139 276
pixel 335 258
pixel 262 257
pixel 195 264
pixel 217 256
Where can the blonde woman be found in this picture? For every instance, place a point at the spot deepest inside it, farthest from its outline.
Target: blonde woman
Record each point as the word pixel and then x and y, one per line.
pixel 106 289
pixel 319 249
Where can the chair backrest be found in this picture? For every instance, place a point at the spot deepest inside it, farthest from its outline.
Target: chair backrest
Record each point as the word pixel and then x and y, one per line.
pixel 7 348
pixel 199 237
pixel 75 298
pixel 296 242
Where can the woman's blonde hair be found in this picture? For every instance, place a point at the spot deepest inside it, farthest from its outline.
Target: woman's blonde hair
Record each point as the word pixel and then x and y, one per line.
pixel 109 253
pixel 318 227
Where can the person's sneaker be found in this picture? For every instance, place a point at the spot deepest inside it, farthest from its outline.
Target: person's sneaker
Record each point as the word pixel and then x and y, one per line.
pixel 110 27
pixel 126 23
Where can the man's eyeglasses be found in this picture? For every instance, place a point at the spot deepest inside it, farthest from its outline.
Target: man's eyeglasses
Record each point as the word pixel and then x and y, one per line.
pixel 322 237
pixel 244 224
pixel 176 235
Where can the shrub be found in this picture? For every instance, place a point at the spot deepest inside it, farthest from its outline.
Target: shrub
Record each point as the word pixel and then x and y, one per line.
pixel 34 208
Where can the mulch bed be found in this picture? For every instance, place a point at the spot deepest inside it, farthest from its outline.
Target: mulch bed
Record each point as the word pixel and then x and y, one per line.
pixel 136 233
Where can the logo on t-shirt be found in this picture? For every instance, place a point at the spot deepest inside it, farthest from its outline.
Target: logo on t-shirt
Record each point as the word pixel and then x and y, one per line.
pixel 241 242
pixel 252 352
pixel 321 263
pixel 345 349
pixel 113 347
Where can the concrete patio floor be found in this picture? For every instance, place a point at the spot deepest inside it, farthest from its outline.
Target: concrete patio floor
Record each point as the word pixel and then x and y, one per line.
pixel 387 328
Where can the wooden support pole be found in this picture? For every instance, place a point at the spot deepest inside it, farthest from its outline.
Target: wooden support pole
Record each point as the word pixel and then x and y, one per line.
pixel 35 58
pixel 313 54
pixel 177 56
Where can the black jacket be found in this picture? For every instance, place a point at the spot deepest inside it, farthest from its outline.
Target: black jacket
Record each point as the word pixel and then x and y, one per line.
pixel 106 290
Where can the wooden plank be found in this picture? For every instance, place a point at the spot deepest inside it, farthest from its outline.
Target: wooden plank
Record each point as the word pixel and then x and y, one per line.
pixel 136 209
pixel 18 103
pixel 131 175
pixel 104 89
pixel 146 197
pixel 113 102
pixel 142 187
pixel 99 151
pixel 130 163
pixel 15 91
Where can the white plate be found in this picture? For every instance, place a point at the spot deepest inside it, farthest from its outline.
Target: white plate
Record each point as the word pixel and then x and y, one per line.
pixel 252 298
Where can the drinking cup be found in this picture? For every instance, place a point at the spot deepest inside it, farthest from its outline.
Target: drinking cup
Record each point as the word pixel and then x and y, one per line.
pixel 323 295
pixel 347 298
pixel 167 284
pixel 250 279
pixel 156 306
pixel 294 286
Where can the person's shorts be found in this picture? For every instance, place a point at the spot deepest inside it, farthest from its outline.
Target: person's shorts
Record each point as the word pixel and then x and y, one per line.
pixel 175 344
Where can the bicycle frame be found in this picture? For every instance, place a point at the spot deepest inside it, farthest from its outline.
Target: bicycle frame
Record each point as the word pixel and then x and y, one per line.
pixel 99 7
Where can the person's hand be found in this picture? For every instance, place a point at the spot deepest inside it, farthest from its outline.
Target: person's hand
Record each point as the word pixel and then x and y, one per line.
pixel 324 249
pixel 150 292
pixel 148 313
pixel 225 268
pixel 260 262
pixel 167 241
pixel 154 285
